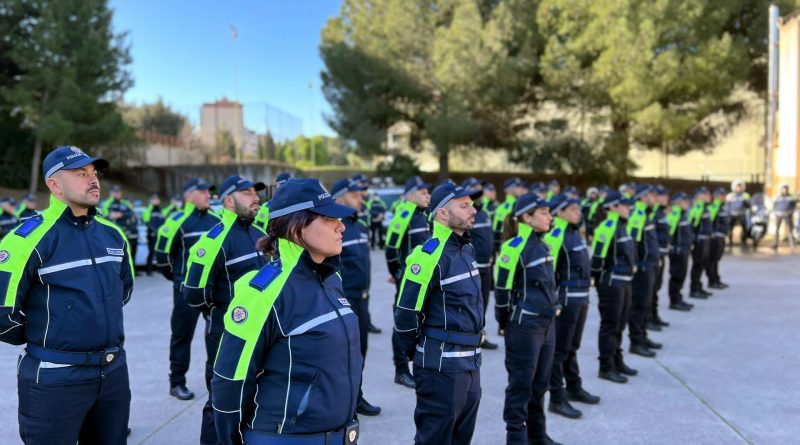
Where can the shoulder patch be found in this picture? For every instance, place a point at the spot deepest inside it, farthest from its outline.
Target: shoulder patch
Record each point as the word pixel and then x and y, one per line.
pixel 177 216
pixel 404 214
pixel 609 223
pixel 515 242
pixel 264 277
pixel 430 246
pixel 557 231
pixel 215 231
pixel 29 226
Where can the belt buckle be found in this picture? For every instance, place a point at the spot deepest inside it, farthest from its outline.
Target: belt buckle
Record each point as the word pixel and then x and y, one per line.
pixel 351 433
pixel 108 357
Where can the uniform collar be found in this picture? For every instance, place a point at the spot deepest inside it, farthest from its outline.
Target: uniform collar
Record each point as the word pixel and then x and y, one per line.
pixel 292 254
pixel 58 208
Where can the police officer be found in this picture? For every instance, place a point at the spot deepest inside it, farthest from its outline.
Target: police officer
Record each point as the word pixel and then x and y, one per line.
pixel 288 369
pixel 642 229
pixel 219 258
pixel 553 189
pixel 153 218
pixel 681 241
pixel 700 220
pixel 175 205
pixel 539 189
pixel 409 228
pixel 66 275
pixel 262 217
pixel 27 208
pixel 438 320
pixel 526 304
pixel 613 266
pixel 659 216
pixel 513 189
pixel 591 216
pixel 739 208
pixel 482 238
pixel 573 278
pixel 7 218
pixel 784 207
pixel 120 212
pixel 175 240
pixel 356 266
pixel 377 211
pixel 720 226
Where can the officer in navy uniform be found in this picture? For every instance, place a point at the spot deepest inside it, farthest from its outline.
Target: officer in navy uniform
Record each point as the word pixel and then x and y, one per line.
pixel 175 240
pixel 739 209
pixel 784 207
pixel 356 268
pixel 408 229
pixel 439 318
pixel 527 303
pixel 153 217
pixel 219 258
pixel 482 238
pixel 642 229
pixel 681 241
pixel 720 226
pixel 288 369
pixel 573 277
pixel 701 222
pixel 120 212
pixel 613 266
pixel 7 217
pixel 262 217
pixel 489 199
pixel 659 215
pixel 64 277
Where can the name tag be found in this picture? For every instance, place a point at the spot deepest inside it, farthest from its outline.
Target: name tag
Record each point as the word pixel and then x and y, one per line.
pixel 344 302
pixel 117 252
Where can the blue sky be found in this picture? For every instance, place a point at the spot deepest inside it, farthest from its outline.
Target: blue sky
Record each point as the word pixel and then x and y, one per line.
pixel 183 51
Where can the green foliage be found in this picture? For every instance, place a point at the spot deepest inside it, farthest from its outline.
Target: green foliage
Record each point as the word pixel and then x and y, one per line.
pixel 225 145
pixel 156 117
pixel 400 168
pixel 71 70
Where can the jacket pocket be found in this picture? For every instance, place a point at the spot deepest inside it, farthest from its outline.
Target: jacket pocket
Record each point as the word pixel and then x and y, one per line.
pixel 305 396
pixel 67 310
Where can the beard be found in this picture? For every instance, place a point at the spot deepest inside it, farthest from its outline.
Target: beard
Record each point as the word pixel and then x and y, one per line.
pixel 460 223
pixel 244 211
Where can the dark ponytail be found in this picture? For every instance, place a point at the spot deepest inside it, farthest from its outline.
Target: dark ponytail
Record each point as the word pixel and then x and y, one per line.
pixel 289 227
pixel 600 215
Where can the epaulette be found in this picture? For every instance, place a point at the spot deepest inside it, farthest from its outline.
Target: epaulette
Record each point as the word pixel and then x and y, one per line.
pixel 177 216
pixel 556 232
pixel 29 226
pixel 264 277
pixel 215 231
pixel 430 246
pixel 404 214
pixel 609 223
pixel 515 242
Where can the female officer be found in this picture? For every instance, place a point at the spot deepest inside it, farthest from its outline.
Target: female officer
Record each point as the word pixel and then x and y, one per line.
pixel 288 367
pixel 526 304
pixel 572 265
pixel 613 266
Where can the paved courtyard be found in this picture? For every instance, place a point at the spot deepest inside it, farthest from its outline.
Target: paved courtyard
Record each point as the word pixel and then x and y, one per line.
pixel 726 375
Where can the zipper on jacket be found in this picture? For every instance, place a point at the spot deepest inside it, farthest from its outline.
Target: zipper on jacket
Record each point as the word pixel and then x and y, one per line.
pixel 97 277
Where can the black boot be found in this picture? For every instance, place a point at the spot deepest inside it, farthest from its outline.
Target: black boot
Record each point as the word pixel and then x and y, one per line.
pixel 653 326
pixel 583 396
pixel 624 369
pixel 564 409
pixel 181 392
pixel 660 322
pixel 641 349
pixel 698 294
pixel 405 379
pixel 373 329
pixel 651 344
pixel 365 408
pixel 612 376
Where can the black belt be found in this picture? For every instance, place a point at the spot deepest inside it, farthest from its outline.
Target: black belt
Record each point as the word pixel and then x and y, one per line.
pixel 542 311
pixel 452 337
pixel 98 358
pixel 347 436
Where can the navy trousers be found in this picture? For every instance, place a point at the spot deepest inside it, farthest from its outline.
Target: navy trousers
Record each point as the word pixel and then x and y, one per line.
pixel 569 330
pixel 90 404
pixel 447 406
pixel 183 322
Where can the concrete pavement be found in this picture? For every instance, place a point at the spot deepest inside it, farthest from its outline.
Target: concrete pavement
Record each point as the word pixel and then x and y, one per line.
pixel 726 374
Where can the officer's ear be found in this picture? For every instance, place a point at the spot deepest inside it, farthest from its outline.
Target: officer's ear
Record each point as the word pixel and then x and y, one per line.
pixel 54 185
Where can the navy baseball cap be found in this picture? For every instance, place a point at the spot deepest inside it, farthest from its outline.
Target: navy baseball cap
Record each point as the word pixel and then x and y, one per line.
pixel 345 185
pixel 70 158
pixel 513 182
pixel 488 186
pixel 29 197
pixel 571 189
pixel 283 177
pixel 614 197
pixel 560 202
pixel 680 196
pixel 445 193
pixel 362 179
pixel 470 182
pixel 415 183
pixel 116 188
pixel 6 200
pixel 306 194
pixel 237 183
pixel 700 191
pixel 197 184
pixel 603 189
pixel 553 183
pixel 642 189
pixel 661 190
pixel 538 187
pixel 528 203
pixel 720 191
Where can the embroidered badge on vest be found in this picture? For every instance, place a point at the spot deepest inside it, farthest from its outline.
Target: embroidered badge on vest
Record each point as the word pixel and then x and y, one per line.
pixel 264 277
pixel 214 232
pixel 430 246
pixel 515 242
pixel 29 226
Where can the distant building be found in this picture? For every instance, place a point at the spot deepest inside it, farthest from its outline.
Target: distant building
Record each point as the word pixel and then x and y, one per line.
pixel 786 154
pixel 219 116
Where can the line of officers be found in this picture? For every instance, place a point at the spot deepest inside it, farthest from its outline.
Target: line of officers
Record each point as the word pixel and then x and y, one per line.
pixel 284 290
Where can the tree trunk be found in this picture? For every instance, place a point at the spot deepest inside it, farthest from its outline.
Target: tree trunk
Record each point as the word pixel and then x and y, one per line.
pixel 37 159
pixel 618 146
pixel 444 161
